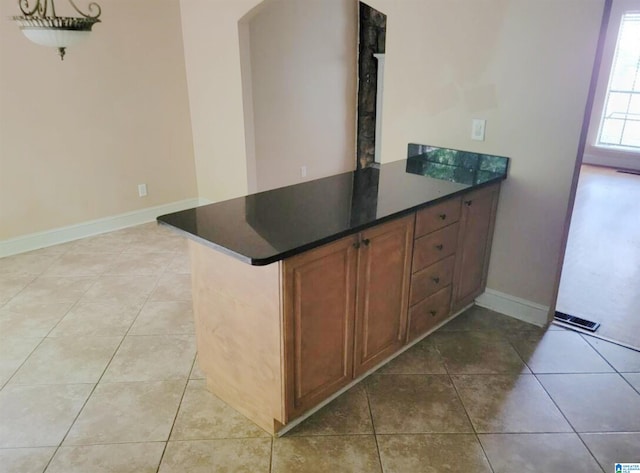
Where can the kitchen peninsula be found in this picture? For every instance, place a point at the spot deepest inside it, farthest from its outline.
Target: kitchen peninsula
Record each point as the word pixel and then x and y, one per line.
pixel 303 290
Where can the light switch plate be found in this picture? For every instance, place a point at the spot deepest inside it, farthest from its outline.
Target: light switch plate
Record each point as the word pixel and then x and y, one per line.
pixel 477 129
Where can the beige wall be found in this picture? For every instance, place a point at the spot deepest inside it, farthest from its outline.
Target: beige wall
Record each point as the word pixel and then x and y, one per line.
pixel 303 58
pixel 523 65
pixel 212 58
pixel 76 137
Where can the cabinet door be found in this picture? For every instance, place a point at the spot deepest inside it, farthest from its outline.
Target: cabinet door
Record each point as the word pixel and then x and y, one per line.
pixel 384 264
pixel 319 304
pixel 474 244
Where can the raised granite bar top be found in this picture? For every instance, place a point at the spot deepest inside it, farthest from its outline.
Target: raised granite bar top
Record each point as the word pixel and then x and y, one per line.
pixel 269 226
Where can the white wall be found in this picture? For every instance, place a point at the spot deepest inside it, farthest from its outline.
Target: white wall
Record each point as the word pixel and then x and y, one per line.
pixel 525 67
pixel 303 59
pixel 77 136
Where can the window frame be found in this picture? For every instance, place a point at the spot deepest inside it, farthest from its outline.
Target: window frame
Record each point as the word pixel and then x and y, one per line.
pixel 595 150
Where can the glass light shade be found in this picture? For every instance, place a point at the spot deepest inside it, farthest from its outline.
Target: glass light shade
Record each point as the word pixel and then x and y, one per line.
pixel 55 38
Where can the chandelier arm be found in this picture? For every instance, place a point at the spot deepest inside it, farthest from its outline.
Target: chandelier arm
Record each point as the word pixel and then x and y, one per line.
pixel 92 6
pixel 37 8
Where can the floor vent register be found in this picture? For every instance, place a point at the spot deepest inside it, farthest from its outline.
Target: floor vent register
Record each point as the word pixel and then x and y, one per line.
pixel 576 321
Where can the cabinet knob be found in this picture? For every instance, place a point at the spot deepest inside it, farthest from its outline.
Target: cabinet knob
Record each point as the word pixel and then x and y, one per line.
pixel 436 279
pixel 433 313
pixel 439 247
pixel 468 203
pixel 366 241
pixel 443 216
pixel 356 245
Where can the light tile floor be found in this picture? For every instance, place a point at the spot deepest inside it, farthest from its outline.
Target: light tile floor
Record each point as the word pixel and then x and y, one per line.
pixel 98 374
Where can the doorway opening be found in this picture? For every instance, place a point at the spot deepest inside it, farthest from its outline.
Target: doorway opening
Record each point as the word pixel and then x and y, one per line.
pixel 600 279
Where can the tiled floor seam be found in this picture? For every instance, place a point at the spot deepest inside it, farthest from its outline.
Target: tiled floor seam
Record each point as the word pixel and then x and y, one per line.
pixel 513 347
pixel 598 352
pixel 636 389
pixel 173 423
pixel 271 457
pixel 373 427
pixel 473 427
pixel 95 385
pixel 591 453
pixel 23 362
pixel 575 432
pixel 107 367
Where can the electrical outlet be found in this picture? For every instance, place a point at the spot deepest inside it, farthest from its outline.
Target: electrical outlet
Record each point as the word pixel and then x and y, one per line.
pixel 142 190
pixel 303 171
pixel 477 129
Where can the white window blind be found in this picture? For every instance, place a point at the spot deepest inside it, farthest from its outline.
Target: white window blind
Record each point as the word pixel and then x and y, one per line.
pixel 620 123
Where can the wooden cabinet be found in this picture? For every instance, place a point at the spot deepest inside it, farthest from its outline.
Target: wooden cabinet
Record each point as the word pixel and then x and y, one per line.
pixel 275 341
pixel 477 217
pixel 345 309
pixel 319 303
pixel 434 252
pixel 384 264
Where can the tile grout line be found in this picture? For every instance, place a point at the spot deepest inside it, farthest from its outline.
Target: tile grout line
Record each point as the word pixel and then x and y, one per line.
pixel 575 432
pixel 473 427
pixel 271 455
pixel 475 433
pixel 74 304
pixel 101 376
pixel 598 352
pixel 534 374
pixel 175 417
pixel 373 427
pixel 629 382
pixel 184 390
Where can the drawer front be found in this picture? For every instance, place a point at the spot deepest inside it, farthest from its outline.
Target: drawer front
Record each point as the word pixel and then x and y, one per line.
pixel 434 247
pixel 438 216
pixel 431 279
pixel 430 312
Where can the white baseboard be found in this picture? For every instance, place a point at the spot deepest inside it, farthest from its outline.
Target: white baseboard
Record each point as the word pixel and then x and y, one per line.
pixel 34 241
pixel 515 307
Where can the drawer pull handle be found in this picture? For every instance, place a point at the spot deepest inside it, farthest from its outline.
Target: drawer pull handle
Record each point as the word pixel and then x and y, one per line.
pixel 433 313
pixel 436 279
pixel 443 216
pixel 366 241
pixel 439 247
pixel 468 203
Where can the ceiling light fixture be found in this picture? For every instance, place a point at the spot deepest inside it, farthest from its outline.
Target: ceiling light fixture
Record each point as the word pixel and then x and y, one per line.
pixel 42 26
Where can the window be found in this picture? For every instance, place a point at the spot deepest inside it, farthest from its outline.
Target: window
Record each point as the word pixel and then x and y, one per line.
pixel 620 122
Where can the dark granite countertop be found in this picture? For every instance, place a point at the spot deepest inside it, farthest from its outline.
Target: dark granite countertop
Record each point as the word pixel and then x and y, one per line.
pixel 269 226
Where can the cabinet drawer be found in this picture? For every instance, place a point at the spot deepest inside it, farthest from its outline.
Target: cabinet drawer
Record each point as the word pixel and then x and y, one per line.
pixel 431 279
pixel 434 247
pixel 431 311
pixel 438 216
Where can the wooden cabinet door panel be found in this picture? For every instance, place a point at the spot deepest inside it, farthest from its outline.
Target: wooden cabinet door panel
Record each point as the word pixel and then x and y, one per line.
pixel 383 292
pixel 319 303
pixel 474 245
